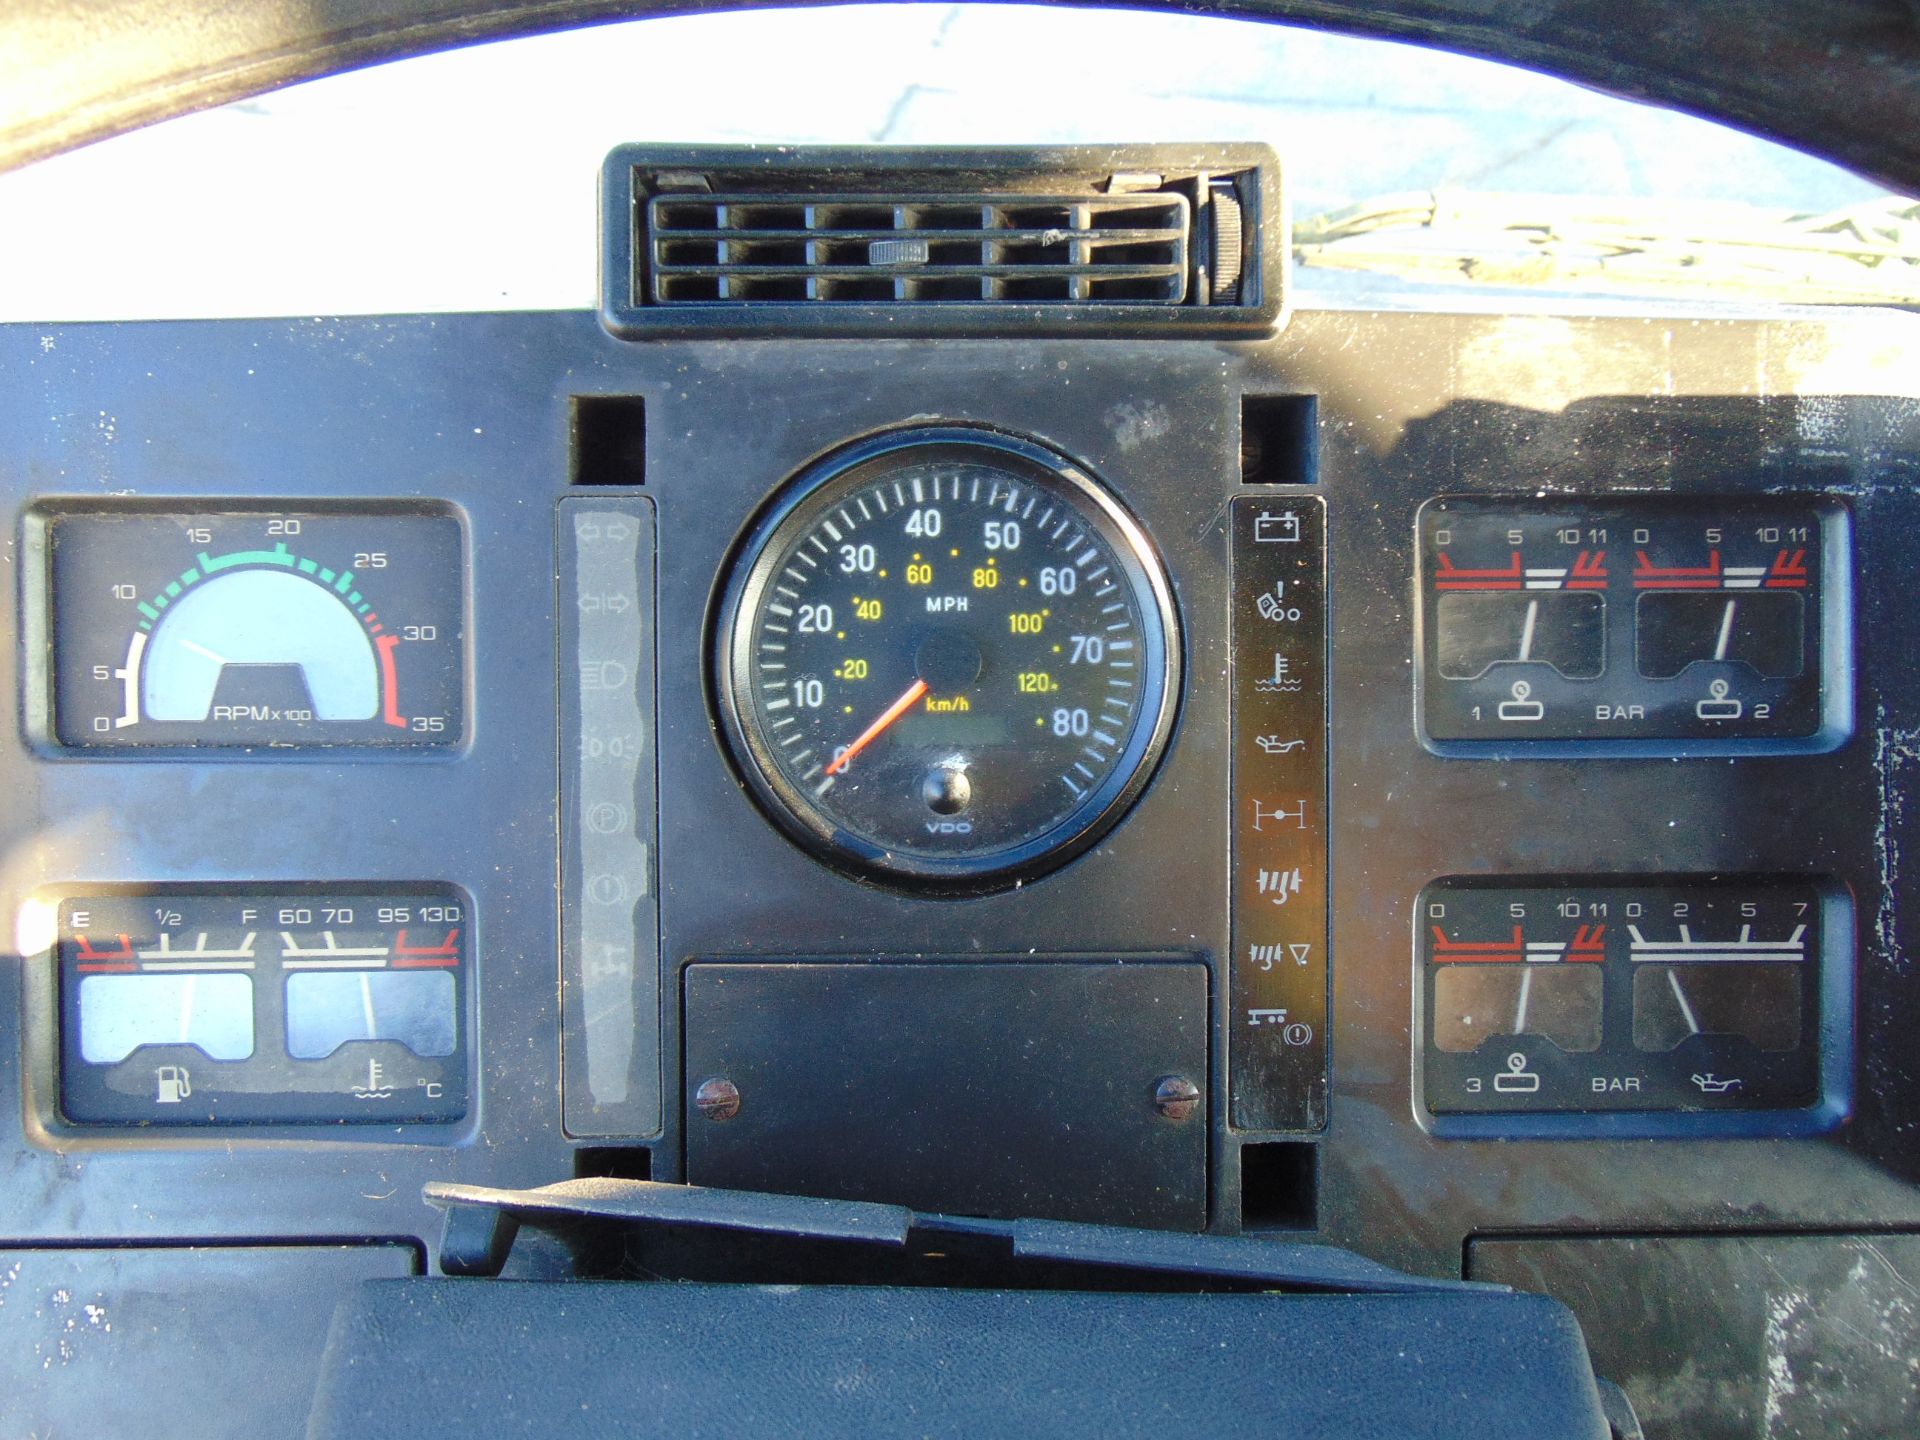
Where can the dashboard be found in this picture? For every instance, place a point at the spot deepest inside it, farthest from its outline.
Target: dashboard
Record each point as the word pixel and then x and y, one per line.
pixel 1434 784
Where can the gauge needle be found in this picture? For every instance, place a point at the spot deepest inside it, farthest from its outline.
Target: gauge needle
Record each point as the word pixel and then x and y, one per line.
pixel 872 732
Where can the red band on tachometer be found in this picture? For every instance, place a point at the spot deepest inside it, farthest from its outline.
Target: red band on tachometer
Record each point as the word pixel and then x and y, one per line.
pixel 390 680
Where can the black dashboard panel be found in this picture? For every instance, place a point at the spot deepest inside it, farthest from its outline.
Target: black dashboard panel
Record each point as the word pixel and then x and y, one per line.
pixel 942 1115
pixel 124 1318
pixel 476 416
pixel 1681 1319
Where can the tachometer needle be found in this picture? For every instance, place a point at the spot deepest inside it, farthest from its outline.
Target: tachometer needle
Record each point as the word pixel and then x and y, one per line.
pixel 872 733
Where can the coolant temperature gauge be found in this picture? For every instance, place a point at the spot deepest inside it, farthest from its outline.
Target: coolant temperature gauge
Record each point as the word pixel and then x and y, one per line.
pixel 246 626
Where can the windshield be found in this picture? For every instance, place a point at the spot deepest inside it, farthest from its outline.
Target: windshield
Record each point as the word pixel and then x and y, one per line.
pixel 465 180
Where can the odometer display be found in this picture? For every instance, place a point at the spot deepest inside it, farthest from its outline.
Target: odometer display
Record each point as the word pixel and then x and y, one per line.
pixel 949 655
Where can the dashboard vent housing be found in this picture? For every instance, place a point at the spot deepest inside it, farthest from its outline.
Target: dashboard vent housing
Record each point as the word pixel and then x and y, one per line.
pixel 748 241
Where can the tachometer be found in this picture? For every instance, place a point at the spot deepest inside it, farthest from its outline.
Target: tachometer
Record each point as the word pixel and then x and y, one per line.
pixel 245 625
pixel 947 654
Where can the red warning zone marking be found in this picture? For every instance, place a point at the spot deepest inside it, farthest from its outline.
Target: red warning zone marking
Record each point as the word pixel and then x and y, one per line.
pixel 443 956
pixel 1788 572
pixel 1448 576
pixel 119 961
pixel 390 681
pixel 1588 946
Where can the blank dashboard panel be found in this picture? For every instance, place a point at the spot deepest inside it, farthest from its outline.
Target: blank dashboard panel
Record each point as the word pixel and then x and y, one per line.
pixel 1017 1090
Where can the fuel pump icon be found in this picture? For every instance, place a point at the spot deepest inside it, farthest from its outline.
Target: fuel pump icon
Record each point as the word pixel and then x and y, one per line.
pixel 171 1084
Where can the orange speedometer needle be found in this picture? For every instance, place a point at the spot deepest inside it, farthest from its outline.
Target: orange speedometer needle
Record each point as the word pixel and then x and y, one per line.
pixel 872 733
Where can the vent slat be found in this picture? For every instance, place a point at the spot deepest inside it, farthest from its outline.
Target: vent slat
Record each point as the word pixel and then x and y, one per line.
pixel 851 272
pixel 1058 235
pixel 918 249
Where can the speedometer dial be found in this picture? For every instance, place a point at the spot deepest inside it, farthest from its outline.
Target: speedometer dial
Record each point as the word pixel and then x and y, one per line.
pixel 947 654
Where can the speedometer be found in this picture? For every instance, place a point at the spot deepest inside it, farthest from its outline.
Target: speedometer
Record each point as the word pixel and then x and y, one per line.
pixel 947 655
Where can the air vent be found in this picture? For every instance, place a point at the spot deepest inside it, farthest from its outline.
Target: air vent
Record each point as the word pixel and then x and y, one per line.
pixel 919 249
pixel 745 241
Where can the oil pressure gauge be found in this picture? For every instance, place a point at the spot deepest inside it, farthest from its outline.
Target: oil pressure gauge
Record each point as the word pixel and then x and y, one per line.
pixel 947 656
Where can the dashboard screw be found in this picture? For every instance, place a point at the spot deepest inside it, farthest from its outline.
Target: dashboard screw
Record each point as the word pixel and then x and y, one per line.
pixel 1176 1096
pixel 718 1099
